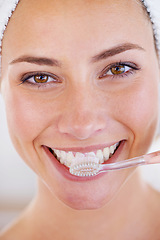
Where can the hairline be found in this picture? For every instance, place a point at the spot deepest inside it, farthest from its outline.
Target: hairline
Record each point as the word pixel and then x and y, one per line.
pixel 147 14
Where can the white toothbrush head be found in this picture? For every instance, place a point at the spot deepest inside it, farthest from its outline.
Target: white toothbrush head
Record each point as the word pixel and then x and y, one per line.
pixel 87 169
pixel 84 167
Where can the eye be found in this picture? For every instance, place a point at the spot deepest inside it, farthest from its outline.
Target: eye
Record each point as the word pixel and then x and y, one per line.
pixel 118 69
pixel 40 79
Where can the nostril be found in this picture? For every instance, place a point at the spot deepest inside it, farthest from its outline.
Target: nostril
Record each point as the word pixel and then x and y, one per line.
pixel 81 128
pixel 80 132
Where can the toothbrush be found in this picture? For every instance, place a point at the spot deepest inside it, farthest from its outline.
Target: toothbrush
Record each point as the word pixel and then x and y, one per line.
pixel 92 167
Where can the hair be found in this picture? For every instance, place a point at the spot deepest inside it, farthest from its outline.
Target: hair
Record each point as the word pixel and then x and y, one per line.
pixel 147 13
pixel 148 16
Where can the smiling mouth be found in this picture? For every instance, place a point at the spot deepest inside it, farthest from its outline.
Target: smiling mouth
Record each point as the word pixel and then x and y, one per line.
pixel 68 158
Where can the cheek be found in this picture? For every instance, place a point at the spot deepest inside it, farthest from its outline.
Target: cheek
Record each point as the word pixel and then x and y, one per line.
pixel 137 108
pixel 23 118
pixel 27 117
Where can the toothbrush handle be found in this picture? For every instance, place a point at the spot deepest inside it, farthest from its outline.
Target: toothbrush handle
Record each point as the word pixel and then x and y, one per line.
pixel 150 158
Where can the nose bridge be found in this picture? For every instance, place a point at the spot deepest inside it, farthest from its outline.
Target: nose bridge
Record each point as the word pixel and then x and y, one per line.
pixel 82 116
pixel 81 111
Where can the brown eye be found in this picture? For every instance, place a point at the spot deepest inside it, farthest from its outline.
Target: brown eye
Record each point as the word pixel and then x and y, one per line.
pixel 41 78
pixel 118 69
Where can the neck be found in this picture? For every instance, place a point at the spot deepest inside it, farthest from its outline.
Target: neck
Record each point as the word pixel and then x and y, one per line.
pixel 47 212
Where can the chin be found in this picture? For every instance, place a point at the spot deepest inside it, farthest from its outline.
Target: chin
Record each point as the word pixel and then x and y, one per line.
pixel 84 195
pixel 89 204
pixel 88 201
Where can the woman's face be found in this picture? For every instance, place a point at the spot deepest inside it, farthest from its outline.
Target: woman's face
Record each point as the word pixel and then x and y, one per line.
pixel 80 76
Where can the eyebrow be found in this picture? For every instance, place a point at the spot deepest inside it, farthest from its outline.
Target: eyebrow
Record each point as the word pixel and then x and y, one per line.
pixel 101 56
pixel 116 50
pixel 37 60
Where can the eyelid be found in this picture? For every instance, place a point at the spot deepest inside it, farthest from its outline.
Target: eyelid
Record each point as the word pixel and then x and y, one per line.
pixel 127 64
pixel 25 77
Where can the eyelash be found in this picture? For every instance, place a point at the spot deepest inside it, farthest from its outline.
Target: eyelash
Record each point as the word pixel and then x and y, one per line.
pixel 26 79
pixel 132 67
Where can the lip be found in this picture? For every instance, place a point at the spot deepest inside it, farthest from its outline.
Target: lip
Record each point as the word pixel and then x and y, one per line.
pixel 86 149
pixel 64 171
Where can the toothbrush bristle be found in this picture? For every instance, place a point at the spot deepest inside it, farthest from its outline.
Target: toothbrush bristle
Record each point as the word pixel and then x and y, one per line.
pixel 84 169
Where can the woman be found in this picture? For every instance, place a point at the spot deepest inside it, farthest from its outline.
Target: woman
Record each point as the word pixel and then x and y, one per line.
pixel 80 77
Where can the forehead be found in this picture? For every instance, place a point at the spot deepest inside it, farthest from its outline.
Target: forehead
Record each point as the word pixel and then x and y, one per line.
pixel 73 23
pixel 30 9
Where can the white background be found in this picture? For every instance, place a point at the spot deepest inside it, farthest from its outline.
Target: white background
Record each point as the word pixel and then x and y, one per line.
pixel 18 182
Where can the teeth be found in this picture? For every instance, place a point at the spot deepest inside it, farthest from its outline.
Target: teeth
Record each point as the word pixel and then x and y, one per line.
pixel 100 156
pixel 70 158
pixel 62 161
pixel 79 155
pixel 90 154
pixel 106 153
pixel 63 155
pixel 112 148
pixel 57 152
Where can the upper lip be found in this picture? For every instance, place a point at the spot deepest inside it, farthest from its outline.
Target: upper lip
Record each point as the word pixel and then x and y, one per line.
pixel 86 149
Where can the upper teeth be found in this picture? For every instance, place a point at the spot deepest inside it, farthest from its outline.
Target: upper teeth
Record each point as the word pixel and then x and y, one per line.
pixel 68 158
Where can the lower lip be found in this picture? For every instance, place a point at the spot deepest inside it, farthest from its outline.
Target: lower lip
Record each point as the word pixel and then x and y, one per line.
pixel 65 170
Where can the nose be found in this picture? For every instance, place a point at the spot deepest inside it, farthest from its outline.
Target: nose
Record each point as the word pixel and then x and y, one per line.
pixel 83 116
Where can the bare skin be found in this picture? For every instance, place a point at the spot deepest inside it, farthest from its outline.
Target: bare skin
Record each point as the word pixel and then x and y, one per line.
pixel 140 211
pixel 115 206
